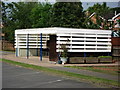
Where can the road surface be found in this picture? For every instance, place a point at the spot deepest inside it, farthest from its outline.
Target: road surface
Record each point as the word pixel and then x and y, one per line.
pixel 19 77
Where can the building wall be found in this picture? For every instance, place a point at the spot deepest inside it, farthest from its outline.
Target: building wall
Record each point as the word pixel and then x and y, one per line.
pixel 116 41
pixel 93 19
pixel 76 40
pixel 117 26
pixel 23 52
pixel 116 48
pixel 85 41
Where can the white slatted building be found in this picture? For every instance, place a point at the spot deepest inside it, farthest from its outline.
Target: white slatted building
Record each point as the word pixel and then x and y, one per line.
pixel 76 40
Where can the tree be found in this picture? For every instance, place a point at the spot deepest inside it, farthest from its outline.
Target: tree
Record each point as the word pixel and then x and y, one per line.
pixel 117 9
pixel 40 15
pixel 17 16
pixel 22 15
pixel 5 21
pixel 67 14
pixel 100 9
pixel 3 12
pixel 89 24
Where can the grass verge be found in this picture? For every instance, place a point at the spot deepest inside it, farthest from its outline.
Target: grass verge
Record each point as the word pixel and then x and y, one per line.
pixel 8 51
pixel 95 80
pixel 92 68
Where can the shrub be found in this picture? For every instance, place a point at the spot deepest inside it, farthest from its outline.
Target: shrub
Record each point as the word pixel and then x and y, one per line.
pixel 105 57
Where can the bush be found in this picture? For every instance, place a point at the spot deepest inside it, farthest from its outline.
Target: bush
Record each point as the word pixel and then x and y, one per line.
pixel 105 57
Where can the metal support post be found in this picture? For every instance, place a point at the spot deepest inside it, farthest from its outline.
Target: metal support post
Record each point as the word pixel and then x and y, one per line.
pixel 16 50
pixel 27 46
pixel 41 46
pixel 85 57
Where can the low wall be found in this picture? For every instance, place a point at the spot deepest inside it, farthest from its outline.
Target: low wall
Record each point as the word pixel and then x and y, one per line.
pixel 75 60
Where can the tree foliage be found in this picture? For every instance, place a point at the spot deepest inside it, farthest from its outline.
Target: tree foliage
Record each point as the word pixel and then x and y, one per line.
pixel 22 15
pixel 100 9
pixel 67 14
pixel 40 15
pixel 89 24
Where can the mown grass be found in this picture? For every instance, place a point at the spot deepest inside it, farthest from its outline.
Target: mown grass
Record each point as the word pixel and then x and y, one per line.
pixel 95 80
pixel 92 68
pixel 8 50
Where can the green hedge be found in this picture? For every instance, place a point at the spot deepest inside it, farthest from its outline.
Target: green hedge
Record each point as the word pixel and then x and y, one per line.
pixel 105 57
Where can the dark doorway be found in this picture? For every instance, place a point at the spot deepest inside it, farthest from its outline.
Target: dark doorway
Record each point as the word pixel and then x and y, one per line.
pixel 52 48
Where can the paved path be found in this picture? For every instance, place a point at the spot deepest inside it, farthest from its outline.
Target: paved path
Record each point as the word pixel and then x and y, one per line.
pixel 46 63
pixel 19 77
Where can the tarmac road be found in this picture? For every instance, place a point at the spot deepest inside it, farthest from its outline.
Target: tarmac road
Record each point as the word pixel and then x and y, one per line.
pixel 19 77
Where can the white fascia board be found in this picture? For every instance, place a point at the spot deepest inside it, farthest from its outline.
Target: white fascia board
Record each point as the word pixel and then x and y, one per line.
pixel 36 31
pixel 72 30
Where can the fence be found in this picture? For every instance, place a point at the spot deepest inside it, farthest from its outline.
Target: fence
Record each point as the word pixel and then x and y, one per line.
pixel 7 45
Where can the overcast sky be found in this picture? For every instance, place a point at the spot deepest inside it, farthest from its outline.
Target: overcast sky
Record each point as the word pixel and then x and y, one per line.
pixel 85 3
pixel 69 0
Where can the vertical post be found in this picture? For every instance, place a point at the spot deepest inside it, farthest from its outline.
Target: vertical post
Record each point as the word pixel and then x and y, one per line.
pixel 84 54
pixel 41 46
pixel 16 50
pixel 37 46
pixel 37 51
pixel 27 46
pixel 84 57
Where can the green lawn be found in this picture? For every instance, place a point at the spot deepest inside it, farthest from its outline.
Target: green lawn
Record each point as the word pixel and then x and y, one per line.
pixel 113 70
pixel 91 79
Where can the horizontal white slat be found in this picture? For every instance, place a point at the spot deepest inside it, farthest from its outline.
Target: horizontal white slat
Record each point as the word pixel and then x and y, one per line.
pixel 83 35
pixel 90 50
pixel 98 43
pixel 103 39
pixel 31 47
pixel 86 50
pixel 31 41
pixel 31 44
pixel 90 32
pixel 104 47
pixel 86 39
pixel 85 46
pixel 70 38
pixel 31 36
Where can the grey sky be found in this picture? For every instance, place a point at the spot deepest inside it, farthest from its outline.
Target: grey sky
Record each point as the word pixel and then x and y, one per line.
pixel 99 0
pixel 85 3
pixel 69 0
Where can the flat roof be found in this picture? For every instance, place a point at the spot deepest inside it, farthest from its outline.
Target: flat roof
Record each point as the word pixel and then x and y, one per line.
pixel 55 30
